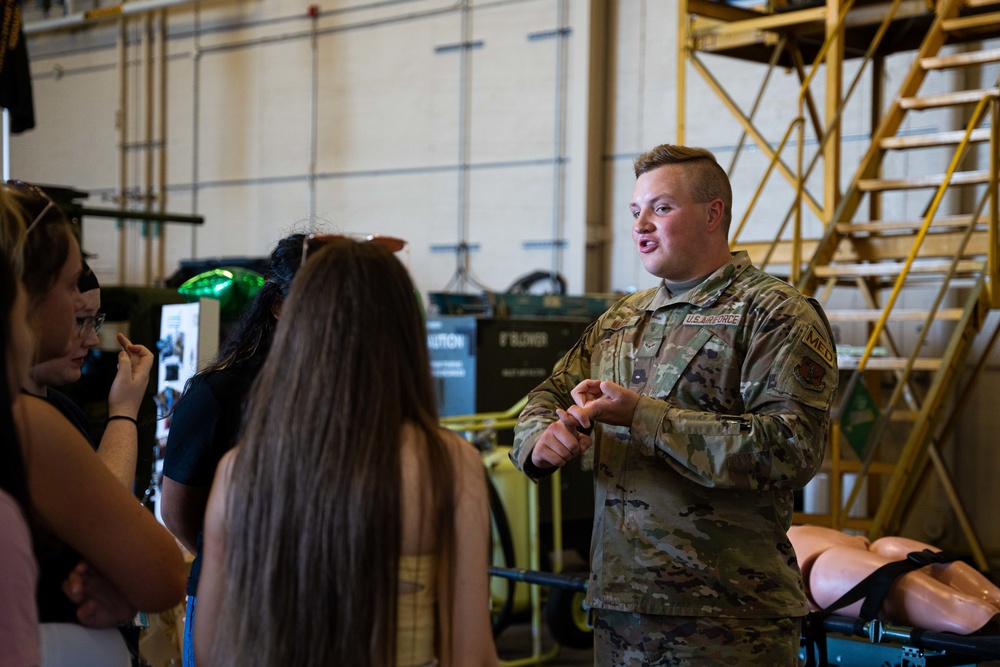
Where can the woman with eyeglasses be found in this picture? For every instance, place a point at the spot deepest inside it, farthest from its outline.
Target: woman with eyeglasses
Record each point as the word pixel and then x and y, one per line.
pixel 81 511
pixel 347 528
pixel 119 443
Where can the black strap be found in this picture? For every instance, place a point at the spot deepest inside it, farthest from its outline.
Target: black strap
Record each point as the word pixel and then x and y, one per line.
pixel 873 589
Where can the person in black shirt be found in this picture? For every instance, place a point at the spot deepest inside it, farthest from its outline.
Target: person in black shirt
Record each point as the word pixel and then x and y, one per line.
pixel 205 423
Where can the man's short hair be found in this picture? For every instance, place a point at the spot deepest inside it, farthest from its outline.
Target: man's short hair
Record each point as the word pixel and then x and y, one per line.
pixel 709 181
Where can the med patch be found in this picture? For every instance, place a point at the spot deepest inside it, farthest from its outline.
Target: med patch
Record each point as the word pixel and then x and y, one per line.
pixel 805 369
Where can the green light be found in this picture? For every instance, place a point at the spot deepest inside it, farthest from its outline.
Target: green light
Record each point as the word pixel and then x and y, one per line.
pixel 233 287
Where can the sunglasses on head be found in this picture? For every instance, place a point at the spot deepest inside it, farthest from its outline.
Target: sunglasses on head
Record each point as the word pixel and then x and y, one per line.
pixel 314 242
pixel 32 192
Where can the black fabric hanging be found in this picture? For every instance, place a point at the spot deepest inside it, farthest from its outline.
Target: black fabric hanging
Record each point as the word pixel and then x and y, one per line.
pixel 15 77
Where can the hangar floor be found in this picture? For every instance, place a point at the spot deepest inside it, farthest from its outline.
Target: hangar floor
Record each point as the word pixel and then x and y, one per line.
pixel 515 643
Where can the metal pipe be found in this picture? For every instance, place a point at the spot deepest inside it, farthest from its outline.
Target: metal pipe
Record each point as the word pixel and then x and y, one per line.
pixel 100 14
pixel 161 260
pixel 145 215
pixel 147 176
pixel 559 130
pixel 683 29
pixel 195 123
pixel 313 116
pixel 122 142
pixel 464 85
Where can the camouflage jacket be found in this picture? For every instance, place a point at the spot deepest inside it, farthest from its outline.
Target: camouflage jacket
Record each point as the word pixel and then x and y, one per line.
pixel 693 501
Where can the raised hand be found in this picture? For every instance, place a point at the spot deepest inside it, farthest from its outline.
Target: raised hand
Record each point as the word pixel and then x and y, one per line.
pixel 129 386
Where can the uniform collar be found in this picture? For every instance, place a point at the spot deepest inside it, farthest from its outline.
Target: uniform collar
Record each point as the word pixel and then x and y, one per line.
pixel 708 291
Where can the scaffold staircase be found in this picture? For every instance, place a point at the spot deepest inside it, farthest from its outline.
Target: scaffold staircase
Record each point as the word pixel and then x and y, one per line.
pixel 906 297
pixel 946 259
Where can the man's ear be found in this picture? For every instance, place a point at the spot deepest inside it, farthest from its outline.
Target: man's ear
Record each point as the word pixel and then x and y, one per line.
pixel 716 208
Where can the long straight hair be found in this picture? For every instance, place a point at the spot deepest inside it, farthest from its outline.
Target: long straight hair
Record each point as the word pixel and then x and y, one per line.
pixel 313 515
pixel 13 478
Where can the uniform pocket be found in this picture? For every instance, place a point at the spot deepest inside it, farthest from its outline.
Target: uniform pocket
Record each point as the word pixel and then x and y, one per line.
pixel 616 351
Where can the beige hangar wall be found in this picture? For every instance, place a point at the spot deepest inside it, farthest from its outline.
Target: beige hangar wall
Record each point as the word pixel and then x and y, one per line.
pixel 414 136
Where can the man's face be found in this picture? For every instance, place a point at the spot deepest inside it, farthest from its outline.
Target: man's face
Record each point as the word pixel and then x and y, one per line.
pixel 671 230
pixel 55 318
pixel 66 369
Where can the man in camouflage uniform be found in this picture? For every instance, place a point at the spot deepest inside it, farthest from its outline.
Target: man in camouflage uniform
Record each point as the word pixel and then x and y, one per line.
pixel 709 400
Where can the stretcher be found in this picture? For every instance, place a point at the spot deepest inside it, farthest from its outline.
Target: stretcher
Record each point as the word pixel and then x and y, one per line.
pixel 852 642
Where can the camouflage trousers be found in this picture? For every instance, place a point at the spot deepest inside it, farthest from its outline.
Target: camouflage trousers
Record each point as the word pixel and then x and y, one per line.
pixel 626 639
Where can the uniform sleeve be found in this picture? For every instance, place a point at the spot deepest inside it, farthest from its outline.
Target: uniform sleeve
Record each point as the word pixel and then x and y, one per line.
pixel 788 382
pixel 191 455
pixel 540 411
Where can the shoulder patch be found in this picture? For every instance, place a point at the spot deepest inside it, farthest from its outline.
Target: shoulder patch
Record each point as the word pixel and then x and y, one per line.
pixel 820 346
pixel 810 373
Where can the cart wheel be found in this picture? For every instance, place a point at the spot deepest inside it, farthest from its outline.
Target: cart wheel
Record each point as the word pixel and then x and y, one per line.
pixel 567 618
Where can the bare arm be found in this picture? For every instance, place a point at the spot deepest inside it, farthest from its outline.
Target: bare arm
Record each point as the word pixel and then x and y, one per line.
pixel 83 505
pixel 183 507
pixel 119 445
pixel 211 583
pixel 470 632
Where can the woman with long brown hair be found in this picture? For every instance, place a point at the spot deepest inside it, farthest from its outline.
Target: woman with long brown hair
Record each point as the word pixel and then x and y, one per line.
pixel 79 510
pixel 348 528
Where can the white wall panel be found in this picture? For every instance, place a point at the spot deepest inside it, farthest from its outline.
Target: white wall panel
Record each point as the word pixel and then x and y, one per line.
pixel 514 86
pixel 229 146
pixel 387 100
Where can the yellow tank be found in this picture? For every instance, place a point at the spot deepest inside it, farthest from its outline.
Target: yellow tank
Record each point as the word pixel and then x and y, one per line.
pixel 512 487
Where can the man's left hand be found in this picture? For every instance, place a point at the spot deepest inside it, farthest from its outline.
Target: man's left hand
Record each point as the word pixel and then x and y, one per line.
pixel 604 402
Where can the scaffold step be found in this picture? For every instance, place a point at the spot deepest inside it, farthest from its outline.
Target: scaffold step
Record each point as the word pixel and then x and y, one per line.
pixel 899 227
pixel 950 138
pixel 895 315
pixel 972 22
pixel 961 59
pixel 946 99
pixel 930 181
pixel 891 269
pixel 889 363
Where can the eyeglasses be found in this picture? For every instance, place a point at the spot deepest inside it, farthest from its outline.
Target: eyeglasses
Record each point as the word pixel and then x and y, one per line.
pixel 314 242
pixel 35 192
pixel 86 325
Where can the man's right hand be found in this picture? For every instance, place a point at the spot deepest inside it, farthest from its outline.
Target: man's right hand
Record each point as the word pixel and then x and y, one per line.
pixel 561 442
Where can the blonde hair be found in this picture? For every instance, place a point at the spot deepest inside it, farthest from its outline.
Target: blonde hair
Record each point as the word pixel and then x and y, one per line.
pixel 708 180
pixel 12 232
